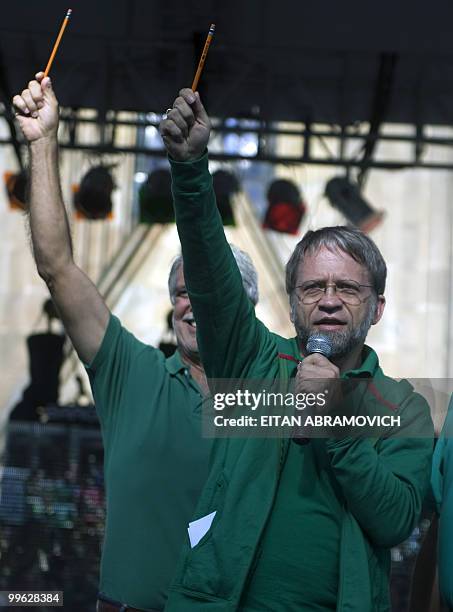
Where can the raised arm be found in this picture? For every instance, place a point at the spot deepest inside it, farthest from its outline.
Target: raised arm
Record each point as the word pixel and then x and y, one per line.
pixel 81 307
pixel 228 332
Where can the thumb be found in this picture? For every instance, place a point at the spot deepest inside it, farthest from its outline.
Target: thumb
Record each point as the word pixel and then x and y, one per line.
pixel 48 91
pixel 315 359
pixel 199 110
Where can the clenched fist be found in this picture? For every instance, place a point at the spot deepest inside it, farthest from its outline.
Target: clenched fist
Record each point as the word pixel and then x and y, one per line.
pixel 186 129
pixel 36 109
pixel 316 374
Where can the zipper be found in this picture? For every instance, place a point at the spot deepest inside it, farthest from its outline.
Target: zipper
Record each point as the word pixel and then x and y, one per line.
pixel 282 452
pixel 283 445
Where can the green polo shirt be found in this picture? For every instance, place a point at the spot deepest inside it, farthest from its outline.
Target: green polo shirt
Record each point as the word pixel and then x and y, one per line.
pixel 155 464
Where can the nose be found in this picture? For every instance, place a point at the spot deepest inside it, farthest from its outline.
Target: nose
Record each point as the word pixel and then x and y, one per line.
pixel 330 302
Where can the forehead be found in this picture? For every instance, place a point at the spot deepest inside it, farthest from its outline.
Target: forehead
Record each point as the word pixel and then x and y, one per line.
pixel 180 282
pixel 331 264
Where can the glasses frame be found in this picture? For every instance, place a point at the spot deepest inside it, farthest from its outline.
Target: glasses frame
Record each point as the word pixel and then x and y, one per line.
pixel 333 285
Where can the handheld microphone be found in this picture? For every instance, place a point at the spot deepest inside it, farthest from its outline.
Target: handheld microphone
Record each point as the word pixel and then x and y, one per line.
pixel 316 343
pixel 319 343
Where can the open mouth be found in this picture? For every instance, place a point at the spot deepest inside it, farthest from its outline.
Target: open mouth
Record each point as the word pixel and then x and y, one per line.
pixel 191 322
pixel 330 323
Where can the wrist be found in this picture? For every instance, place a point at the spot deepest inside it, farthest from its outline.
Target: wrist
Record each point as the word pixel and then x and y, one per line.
pixel 187 159
pixel 44 142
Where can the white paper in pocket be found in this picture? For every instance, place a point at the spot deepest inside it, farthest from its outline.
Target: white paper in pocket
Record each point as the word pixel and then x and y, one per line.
pixel 197 529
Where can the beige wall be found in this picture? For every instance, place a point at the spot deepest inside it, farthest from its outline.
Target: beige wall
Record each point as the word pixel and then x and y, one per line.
pixel 415 237
pixel 413 339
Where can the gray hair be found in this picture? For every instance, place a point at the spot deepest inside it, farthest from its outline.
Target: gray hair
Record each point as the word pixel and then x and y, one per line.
pixel 350 240
pixel 347 239
pixel 246 268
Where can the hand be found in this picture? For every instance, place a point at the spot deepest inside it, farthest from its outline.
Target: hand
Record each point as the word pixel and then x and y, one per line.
pixel 316 374
pixel 37 109
pixel 186 129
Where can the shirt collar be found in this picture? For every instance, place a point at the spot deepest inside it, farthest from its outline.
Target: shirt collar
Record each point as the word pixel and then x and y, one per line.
pixel 175 364
pixel 369 366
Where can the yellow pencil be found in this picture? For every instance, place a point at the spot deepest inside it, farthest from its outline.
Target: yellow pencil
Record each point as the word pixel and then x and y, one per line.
pixel 203 57
pixel 57 42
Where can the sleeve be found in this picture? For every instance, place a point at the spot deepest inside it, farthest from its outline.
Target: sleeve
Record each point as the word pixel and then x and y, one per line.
pixel 384 485
pixel 433 500
pixel 437 473
pixel 109 370
pixel 230 337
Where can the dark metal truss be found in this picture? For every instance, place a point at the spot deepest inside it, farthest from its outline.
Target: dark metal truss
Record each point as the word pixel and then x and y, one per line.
pixel 266 134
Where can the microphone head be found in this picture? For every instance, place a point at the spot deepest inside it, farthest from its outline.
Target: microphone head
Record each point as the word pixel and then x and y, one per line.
pixel 319 343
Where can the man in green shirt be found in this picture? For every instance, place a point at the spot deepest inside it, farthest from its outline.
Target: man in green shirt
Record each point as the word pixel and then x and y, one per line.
pixel 149 407
pixel 442 489
pixel 297 527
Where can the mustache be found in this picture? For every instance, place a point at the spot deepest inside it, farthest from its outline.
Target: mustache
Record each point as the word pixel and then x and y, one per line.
pixel 343 340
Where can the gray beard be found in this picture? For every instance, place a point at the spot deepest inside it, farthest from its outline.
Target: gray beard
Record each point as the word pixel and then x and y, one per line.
pixel 343 342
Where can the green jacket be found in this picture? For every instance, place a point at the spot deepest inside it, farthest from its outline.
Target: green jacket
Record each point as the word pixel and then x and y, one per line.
pixel 381 483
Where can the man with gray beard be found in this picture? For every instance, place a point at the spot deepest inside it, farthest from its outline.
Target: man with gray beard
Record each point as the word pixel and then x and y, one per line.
pixel 335 243
pixel 292 527
pixel 335 280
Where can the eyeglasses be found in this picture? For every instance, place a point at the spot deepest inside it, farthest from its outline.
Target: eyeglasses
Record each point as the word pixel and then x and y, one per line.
pixel 348 291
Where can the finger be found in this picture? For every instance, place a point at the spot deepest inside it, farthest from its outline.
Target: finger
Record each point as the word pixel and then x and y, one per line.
pixel 335 369
pixel 311 374
pixel 36 93
pixel 184 108
pixel 49 94
pixel 177 118
pixel 26 97
pixel 171 132
pixel 316 359
pixel 39 76
pixel 199 110
pixel 188 95
pixel 310 370
pixel 19 105
pixel 193 99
